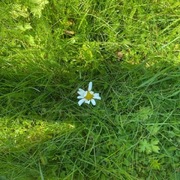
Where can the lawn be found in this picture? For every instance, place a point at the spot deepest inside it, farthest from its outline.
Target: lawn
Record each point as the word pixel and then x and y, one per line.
pixel 129 50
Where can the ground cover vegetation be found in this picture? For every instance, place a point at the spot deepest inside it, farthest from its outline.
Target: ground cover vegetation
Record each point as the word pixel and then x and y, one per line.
pixel 129 49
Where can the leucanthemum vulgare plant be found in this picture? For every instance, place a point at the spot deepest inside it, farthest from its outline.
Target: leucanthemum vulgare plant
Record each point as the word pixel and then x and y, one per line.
pixel 87 96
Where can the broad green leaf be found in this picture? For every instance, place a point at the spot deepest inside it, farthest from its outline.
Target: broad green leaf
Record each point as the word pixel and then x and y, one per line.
pixel 24 27
pixel 38 6
pixel 154 146
pixel 19 10
pixel 149 147
pixel 145 146
pixel 155 164
pixel 153 130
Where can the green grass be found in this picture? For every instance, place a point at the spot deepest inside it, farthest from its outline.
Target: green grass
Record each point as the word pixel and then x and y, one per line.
pixel 49 49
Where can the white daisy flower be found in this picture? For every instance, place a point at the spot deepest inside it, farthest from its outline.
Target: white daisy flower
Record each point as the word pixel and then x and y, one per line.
pixel 87 96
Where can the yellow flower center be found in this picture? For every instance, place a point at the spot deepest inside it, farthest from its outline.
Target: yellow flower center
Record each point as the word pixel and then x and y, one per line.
pixel 89 96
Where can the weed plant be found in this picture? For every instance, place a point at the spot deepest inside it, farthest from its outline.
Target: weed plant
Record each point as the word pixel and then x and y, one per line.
pixel 129 49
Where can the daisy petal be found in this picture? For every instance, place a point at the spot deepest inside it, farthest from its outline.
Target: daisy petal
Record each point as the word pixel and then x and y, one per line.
pixel 90 86
pixel 80 97
pixel 85 93
pixel 96 96
pixel 87 101
pixel 80 91
pixel 93 102
pixel 80 102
